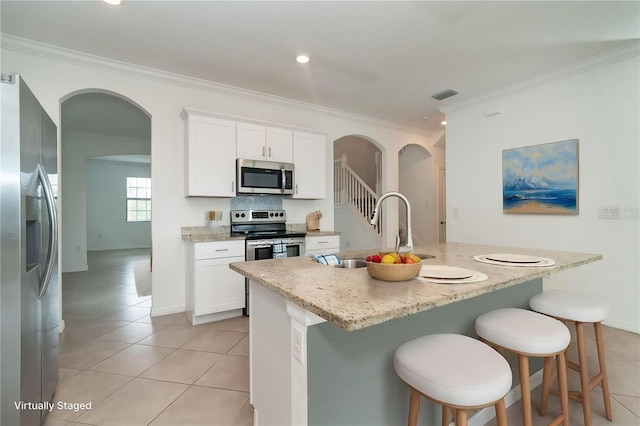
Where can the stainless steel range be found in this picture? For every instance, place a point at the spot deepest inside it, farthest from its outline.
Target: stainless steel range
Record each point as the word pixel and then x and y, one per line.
pixel 262 230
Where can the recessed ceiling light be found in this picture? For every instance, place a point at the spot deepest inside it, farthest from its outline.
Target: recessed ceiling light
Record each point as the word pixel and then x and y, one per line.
pixel 444 123
pixel 302 59
pixel 113 2
pixel 424 117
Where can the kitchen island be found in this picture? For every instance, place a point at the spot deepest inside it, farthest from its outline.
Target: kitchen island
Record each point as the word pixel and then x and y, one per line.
pixel 322 338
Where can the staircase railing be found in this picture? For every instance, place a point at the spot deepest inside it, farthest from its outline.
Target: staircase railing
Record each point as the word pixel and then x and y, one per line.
pixel 350 189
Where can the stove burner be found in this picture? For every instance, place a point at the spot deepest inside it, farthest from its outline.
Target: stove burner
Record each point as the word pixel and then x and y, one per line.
pixel 259 224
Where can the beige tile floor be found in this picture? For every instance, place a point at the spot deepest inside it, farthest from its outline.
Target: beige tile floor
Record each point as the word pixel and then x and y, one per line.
pixel 137 370
pixel 622 354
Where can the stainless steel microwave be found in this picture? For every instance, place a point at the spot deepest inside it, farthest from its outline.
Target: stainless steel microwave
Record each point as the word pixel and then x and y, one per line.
pixel 264 177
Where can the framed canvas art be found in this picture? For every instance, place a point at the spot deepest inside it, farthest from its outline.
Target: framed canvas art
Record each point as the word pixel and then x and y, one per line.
pixel 541 178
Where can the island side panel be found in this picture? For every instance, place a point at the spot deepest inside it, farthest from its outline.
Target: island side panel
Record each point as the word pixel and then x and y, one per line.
pixel 270 352
pixel 351 378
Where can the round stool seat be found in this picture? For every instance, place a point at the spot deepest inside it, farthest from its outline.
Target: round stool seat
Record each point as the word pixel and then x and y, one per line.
pixel 453 369
pixel 571 305
pixel 523 331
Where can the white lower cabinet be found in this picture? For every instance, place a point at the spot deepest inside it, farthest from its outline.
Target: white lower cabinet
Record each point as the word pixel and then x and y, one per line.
pixel 214 291
pixel 328 244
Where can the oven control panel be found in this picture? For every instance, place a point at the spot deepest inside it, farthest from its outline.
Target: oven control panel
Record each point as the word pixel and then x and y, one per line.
pixel 258 216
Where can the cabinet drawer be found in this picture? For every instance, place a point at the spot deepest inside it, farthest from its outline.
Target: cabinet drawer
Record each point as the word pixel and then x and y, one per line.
pixel 320 243
pixel 219 249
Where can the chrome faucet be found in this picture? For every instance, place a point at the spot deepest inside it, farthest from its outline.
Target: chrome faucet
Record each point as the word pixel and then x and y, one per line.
pixel 374 218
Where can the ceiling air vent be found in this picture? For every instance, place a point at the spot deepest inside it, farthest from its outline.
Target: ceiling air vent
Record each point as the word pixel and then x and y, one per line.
pixel 444 95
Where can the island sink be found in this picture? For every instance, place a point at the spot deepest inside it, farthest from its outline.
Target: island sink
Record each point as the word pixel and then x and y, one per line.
pixel 351 264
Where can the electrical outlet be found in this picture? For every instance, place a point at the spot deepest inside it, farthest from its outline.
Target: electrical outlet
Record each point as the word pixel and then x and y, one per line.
pixel 609 212
pixel 297 344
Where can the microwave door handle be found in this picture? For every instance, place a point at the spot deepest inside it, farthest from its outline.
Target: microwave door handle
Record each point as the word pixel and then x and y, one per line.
pixel 284 178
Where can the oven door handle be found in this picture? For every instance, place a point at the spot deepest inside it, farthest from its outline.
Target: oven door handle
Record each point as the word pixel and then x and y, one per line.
pixel 259 245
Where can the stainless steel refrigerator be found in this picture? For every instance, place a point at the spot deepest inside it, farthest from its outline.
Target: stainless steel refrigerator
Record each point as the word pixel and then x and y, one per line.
pixel 28 256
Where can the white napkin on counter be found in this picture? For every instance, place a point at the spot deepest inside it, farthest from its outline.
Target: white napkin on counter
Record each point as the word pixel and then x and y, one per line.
pixel 279 249
pixel 327 259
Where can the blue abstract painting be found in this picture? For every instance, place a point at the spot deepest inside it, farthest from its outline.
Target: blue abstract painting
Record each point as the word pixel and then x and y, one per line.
pixel 541 178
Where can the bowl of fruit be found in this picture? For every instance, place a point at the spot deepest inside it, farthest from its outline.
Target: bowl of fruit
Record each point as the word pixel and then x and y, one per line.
pixel 393 266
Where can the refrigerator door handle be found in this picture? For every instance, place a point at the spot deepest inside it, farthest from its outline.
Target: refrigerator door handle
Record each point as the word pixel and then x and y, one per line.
pixel 53 235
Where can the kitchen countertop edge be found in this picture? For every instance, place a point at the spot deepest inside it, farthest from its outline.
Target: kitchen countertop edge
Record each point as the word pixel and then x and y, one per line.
pixel 340 296
pixel 202 234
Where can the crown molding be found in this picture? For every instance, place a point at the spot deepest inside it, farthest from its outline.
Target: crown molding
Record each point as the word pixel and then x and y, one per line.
pixel 56 53
pixel 611 57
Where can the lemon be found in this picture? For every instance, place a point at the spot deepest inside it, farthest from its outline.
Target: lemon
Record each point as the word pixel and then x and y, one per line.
pixel 387 258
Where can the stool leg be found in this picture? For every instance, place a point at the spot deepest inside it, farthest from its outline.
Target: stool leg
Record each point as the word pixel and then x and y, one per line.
pixel 603 370
pixel 584 375
pixel 561 367
pixel 546 382
pixel 446 413
pixel 523 364
pixel 461 417
pixel 501 413
pixel 414 407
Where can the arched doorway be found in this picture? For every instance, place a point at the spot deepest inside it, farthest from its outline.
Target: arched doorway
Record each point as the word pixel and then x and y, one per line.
pixel 417 180
pixel 357 184
pixel 105 139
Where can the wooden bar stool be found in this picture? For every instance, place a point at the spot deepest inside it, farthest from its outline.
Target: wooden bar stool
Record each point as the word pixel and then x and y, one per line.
pixel 580 308
pixel 526 334
pixel 458 372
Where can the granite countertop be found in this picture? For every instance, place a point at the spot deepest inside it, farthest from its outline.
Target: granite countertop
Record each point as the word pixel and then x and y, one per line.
pixel 353 300
pixel 201 234
pixel 321 233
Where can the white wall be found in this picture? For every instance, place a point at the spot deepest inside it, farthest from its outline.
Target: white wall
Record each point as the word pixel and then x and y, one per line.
pixel 107 226
pixel 355 234
pixel 53 74
pixel 76 148
pixel 600 107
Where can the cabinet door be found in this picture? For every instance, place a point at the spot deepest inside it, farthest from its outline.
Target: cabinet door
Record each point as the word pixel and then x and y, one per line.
pixel 251 141
pixel 210 156
pixel 309 157
pixel 328 244
pixel 279 145
pixel 218 288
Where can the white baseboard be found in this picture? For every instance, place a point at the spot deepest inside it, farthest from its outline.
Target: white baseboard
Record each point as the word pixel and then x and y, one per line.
pixel 80 268
pixel 622 325
pixel 483 416
pixel 167 311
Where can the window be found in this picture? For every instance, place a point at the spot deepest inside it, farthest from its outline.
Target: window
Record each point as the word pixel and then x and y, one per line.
pixel 138 199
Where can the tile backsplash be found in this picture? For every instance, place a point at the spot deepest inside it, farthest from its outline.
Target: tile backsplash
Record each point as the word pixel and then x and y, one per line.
pixel 257 202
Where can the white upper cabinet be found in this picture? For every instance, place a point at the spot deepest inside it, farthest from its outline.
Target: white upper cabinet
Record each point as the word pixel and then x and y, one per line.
pixel 213 143
pixel 279 145
pixel 309 157
pixel 210 154
pixel 256 142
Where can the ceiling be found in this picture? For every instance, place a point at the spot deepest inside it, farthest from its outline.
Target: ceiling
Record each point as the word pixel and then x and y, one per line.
pixel 378 59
